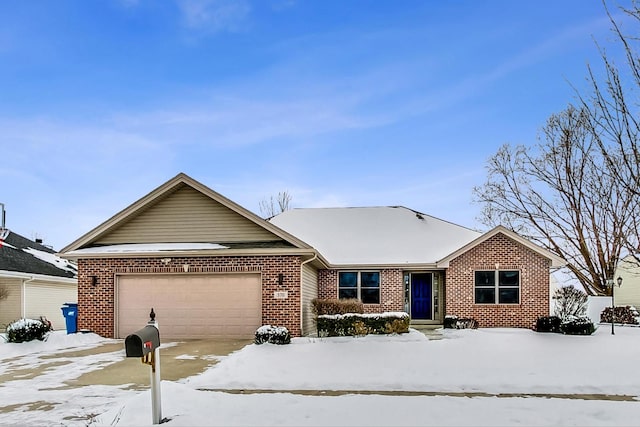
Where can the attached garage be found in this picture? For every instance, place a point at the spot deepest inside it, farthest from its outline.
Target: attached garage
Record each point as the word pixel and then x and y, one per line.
pixel 35 298
pixel 191 306
pixel 209 268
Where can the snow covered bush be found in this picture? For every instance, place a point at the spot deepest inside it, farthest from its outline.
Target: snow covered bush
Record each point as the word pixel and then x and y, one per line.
pixel 627 315
pixel 453 322
pixel 357 324
pixel 548 324
pixel 575 325
pixel 396 326
pixel 28 330
pixel 570 301
pixel 273 335
pixel 323 306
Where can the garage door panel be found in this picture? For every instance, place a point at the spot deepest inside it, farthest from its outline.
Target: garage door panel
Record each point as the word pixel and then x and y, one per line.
pixel 47 299
pixel 194 306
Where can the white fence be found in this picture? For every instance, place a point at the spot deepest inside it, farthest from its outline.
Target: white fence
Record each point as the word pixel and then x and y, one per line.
pixel 595 307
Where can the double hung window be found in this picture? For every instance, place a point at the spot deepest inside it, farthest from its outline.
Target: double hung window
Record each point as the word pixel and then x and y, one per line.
pixel 363 285
pixel 497 287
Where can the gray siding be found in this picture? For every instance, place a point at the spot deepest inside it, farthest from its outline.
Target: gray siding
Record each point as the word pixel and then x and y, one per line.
pixel 309 291
pixel 186 215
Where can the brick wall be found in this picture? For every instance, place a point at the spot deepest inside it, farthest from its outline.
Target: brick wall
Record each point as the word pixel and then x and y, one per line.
pixel 96 306
pixel 391 289
pixel 509 255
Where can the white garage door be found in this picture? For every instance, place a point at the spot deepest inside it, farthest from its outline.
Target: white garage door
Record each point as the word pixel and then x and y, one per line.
pixel 47 300
pixel 193 306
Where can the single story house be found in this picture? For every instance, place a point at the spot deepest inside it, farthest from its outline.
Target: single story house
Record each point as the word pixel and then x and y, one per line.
pixel 210 267
pixel 396 259
pixel 34 281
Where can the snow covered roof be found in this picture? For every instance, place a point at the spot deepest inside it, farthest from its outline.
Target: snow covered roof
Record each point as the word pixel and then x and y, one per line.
pixel 21 255
pixel 390 235
pixel 137 248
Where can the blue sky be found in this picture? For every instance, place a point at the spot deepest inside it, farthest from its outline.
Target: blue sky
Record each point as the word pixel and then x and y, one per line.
pixel 341 103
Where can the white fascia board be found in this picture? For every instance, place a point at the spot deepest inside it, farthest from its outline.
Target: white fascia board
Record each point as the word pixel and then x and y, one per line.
pixel 404 267
pixel 556 261
pixel 19 275
pixel 188 254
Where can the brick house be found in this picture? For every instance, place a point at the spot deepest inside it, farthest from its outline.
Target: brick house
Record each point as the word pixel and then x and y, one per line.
pixel 397 259
pixel 211 268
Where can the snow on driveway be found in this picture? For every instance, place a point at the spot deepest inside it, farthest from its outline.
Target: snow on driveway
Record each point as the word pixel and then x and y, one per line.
pixel 484 360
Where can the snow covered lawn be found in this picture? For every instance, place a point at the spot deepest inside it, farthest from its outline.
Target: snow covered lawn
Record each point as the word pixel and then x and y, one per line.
pixel 508 376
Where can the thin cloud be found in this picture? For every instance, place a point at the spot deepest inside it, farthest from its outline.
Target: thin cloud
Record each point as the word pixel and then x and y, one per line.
pixel 213 16
pixel 244 121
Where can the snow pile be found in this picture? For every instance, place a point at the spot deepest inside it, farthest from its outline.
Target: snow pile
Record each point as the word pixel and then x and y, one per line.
pixel 54 341
pixel 483 361
pixel 466 360
pixel 385 315
pixel 470 377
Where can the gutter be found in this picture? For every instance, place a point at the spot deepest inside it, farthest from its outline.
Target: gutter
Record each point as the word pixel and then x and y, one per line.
pixel 30 277
pixel 24 296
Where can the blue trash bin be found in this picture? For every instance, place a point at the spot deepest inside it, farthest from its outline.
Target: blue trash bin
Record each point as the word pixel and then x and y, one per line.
pixel 70 313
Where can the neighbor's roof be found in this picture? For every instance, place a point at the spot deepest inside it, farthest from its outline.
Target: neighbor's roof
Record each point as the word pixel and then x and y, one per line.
pixel 390 235
pixel 21 255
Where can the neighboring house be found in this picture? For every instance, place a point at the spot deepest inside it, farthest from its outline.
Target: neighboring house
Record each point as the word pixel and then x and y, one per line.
pixel 35 281
pixel 209 267
pixel 629 292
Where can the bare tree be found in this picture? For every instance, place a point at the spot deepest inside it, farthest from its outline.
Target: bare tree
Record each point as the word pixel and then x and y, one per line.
pixel 613 108
pixel 274 205
pixel 578 192
pixel 558 194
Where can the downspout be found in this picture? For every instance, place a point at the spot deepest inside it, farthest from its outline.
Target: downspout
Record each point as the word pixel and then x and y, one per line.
pixel 315 256
pixel 24 295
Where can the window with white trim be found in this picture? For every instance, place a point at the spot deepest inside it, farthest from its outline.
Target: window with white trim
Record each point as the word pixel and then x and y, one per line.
pixel 363 285
pixel 497 287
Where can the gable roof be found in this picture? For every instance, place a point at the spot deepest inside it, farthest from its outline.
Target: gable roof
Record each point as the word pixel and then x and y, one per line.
pixel 143 209
pixel 376 236
pixel 556 261
pixel 21 255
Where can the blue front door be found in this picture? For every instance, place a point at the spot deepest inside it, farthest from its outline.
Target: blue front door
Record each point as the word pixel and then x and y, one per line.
pixel 421 296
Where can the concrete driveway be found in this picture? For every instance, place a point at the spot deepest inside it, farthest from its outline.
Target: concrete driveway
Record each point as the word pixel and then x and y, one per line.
pixel 70 386
pixel 178 360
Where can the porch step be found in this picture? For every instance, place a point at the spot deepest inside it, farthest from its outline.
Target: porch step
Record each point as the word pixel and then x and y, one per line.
pixel 431 330
pixel 425 324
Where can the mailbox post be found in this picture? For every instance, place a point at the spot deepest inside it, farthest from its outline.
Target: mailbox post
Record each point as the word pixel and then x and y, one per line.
pixel 145 344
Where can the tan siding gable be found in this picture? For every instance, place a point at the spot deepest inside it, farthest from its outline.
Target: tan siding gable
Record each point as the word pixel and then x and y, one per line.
pixel 309 291
pixel 187 215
